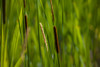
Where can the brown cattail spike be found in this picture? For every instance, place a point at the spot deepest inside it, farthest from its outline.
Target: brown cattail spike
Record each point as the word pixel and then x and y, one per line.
pixel 56 40
pixel 3 7
pixel 52 11
pixel 25 22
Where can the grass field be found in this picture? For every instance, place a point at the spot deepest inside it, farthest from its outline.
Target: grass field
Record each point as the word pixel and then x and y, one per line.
pixel 49 33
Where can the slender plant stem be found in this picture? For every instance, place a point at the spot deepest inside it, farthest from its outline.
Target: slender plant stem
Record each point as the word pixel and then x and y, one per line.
pixel 52 11
pixel 38 28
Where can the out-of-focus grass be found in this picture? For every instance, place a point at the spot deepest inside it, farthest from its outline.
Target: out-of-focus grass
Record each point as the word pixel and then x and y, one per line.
pixel 77 23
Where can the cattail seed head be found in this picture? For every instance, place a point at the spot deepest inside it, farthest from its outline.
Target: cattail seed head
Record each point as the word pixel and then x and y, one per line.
pixel 56 40
pixel 25 22
pixel 3 8
pixel 45 41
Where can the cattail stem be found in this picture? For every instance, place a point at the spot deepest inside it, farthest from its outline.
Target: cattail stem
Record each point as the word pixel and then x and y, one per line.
pixel 52 11
pixel 38 28
pixel 56 40
pixel 25 48
pixel 3 8
pixel 45 41
pixel 24 3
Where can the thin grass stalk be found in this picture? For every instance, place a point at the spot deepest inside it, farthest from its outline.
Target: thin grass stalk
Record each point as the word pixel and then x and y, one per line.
pixel 73 47
pixel 2 48
pixel 45 41
pixel 5 51
pixel 52 11
pixel 24 3
pixel 38 28
pixel 62 29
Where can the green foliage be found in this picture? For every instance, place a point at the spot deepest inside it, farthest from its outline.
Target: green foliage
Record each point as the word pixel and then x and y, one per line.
pixel 77 23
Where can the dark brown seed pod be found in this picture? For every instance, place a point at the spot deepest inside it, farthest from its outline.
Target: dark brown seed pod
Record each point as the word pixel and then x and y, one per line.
pixel 52 11
pixel 25 22
pixel 56 40
pixel 3 8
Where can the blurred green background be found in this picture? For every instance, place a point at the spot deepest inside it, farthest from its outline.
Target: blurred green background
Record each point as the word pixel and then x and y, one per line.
pixel 78 29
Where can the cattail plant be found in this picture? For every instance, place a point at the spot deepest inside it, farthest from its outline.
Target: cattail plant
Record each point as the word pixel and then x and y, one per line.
pixel 56 40
pixel 55 33
pixel 24 2
pixel 45 41
pixel 3 8
pixel 56 43
pixel 26 31
pixel 55 30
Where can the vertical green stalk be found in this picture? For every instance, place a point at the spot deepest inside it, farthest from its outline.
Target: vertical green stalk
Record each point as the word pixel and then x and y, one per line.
pixel 52 11
pixel 62 46
pixel 38 26
pixel 5 51
pixel 2 48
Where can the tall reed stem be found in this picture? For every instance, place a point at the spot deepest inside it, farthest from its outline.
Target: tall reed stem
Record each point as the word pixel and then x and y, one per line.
pixel 52 11
pixel 55 33
pixel 38 27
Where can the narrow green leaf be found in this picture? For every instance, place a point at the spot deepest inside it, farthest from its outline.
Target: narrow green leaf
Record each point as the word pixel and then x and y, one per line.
pixel 5 53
